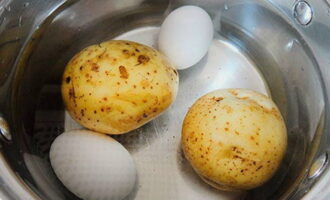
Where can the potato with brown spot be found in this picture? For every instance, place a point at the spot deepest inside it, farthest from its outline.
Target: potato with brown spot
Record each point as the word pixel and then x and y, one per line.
pixel 109 82
pixel 123 72
pixel 234 139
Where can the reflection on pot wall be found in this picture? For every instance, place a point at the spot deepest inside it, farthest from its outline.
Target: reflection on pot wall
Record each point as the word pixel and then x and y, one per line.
pixel 281 58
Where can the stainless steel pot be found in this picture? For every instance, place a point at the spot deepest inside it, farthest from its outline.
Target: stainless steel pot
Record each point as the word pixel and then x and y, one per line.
pixel 279 47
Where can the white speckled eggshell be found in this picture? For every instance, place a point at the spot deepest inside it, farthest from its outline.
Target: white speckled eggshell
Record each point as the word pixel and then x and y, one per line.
pixel 92 165
pixel 185 36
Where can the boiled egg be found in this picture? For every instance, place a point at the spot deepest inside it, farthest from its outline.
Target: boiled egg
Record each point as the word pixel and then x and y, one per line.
pixel 185 36
pixel 92 165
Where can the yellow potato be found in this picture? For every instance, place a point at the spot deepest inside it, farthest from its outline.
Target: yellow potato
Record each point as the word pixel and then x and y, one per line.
pixel 234 139
pixel 117 86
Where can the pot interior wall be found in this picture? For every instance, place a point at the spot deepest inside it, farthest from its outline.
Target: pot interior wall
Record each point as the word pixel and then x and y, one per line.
pixel 254 27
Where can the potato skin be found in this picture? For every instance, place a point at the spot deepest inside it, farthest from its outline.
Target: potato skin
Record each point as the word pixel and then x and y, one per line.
pixel 234 139
pixel 117 86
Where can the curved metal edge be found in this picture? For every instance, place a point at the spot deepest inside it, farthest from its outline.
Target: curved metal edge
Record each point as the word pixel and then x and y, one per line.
pixel 8 180
pixel 320 188
pixel 316 188
pixel 11 186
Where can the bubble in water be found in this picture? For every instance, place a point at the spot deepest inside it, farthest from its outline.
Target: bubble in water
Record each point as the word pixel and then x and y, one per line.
pixel 303 12
pixel 290 45
pixel 225 7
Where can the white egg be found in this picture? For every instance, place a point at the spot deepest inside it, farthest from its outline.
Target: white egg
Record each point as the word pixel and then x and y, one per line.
pixel 185 36
pixel 92 165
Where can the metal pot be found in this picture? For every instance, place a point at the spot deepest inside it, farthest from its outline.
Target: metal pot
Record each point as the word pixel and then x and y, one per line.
pixel 279 47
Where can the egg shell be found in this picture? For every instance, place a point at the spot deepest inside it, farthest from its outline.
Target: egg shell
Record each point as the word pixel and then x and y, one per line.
pixel 235 139
pixel 92 165
pixel 185 36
